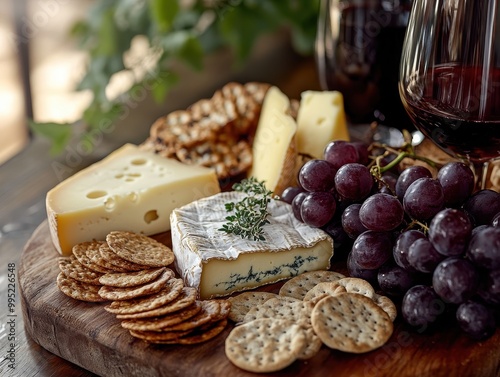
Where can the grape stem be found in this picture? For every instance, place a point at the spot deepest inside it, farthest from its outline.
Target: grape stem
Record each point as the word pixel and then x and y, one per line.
pixel 406 151
pixel 414 223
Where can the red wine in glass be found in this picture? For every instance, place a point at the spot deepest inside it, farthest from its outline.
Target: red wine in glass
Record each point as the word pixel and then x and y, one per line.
pixel 454 111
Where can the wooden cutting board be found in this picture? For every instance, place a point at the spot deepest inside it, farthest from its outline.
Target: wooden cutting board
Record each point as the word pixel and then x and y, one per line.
pixel 92 338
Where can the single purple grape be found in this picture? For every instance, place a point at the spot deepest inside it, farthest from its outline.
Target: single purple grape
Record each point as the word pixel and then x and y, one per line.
pixel 402 247
pixel 450 231
pixel 489 288
pixel 297 203
pixel 394 280
pixel 354 181
pixel 317 175
pixel 455 280
pixel 482 206
pixel 484 248
pixel 423 257
pixel 340 152
pixel 372 249
pixel 364 155
pixel 355 271
pixel 350 221
pixel 476 320
pixel 381 212
pixel 318 208
pixel 457 180
pixel 290 193
pixel 408 176
pixel 423 199
pixel 421 306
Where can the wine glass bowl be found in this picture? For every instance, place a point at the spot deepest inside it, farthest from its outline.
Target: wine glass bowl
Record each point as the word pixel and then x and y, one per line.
pixel 450 76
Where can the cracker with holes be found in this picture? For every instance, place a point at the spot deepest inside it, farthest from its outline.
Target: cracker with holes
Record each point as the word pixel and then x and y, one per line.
pixel 74 269
pixel 299 285
pixel 140 249
pixel 243 302
pixel 351 322
pixel 282 307
pixel 127 293
pixel 323 289
pixel 78 290
pixel 313 344
pixel 387 305
pixel 134 278
pixel 183 300
pixel 357 285
pixel 265 345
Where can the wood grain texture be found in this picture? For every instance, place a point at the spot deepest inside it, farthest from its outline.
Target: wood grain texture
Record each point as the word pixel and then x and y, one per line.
pixel 92 338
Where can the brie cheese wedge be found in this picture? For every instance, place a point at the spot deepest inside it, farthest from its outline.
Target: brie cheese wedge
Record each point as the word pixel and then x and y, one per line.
pixel 218 264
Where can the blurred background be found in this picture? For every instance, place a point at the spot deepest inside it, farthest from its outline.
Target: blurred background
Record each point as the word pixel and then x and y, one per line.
pixel 108 49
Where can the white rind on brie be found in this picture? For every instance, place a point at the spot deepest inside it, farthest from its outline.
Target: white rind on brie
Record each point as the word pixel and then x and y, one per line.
pixel 219 264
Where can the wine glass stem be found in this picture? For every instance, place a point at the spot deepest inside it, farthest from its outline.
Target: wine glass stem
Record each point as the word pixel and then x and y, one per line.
pixel 481 172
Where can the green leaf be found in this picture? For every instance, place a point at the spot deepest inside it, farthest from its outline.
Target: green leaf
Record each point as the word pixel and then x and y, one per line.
pixel 59 134
pixel 163 13
pixel 160 85
pixel 192 53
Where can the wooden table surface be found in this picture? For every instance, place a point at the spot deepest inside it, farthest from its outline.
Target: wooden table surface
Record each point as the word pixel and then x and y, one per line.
pixel 26 178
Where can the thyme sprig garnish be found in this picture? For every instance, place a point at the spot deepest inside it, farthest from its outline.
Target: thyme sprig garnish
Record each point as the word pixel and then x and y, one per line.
pixel 250 213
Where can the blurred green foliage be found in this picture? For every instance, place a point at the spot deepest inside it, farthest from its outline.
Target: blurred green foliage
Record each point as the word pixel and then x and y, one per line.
pixel 184 31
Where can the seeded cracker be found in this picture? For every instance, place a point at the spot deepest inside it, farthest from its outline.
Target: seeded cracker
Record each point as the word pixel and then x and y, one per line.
pixel 94 254
pixel 126 293
pixel 351 322
pixel 159 323
pixel 132 279
pixel 243 302
pixel 140 249
pixel 202 334
pixel 168 300
pixel 209 309
pixel 80 252
pixel 265 345
pixel 116 260
pixel 299 285
pixel 75 270
pixel 78 290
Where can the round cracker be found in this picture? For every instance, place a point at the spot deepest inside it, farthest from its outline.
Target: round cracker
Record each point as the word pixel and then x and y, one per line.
pixel 265 345
pixel 75 270
pixel 284 308
pixel 203 334
pixel 140 249
pixel 113 258
pixel 357 285
pixel 351 322
pixel 387 305
pixel 78 290
pixel 160 323
pixel 185 299
pixel 126 293
pixel 94 254
pixel 323 289
pixel 174 289
pixel 313 344
pixel 134 278
pixel 209 310
pixel 299 285
pixel 80 252
pixel 243 302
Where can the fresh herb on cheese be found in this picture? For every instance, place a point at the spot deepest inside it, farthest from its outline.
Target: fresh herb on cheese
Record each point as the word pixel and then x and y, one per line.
pixel 250 214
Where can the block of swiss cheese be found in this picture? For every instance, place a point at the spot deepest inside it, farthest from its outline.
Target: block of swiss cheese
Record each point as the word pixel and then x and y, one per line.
pixel 131 189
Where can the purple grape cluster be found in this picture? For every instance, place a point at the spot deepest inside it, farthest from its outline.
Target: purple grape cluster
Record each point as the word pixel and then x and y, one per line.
pixel 431 243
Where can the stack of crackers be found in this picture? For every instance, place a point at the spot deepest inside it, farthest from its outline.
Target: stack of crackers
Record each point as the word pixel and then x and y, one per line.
pixel 215 132
pixel 131 271
pixel 312 309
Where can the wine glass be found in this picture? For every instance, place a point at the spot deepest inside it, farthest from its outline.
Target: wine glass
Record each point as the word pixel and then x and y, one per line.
pixel 450 77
